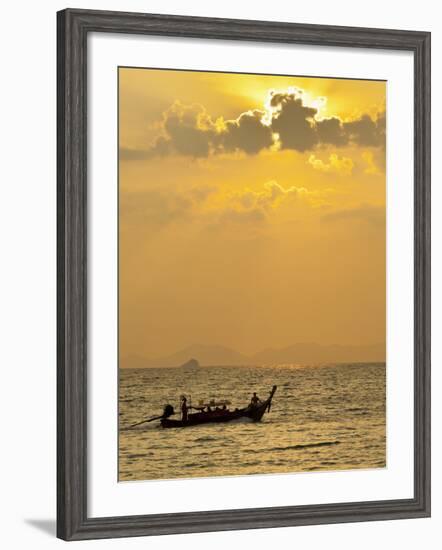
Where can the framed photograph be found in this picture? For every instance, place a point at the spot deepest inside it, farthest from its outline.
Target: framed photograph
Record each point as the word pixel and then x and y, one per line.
pixel 243 274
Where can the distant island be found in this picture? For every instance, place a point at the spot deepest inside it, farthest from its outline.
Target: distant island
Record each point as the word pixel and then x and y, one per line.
pixel 301 353
pixel 190 364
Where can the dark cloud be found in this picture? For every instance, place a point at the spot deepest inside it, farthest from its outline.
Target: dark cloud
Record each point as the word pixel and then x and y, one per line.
pixel 293 121
pixel 365 131
pixel 330 131
pixel 247 133
pixel 298 128
pixel 189 130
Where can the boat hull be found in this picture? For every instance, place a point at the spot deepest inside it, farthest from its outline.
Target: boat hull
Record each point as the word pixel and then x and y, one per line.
pixel 251 413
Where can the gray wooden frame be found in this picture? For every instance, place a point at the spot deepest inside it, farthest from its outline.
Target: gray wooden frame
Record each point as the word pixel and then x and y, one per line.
pixel 73 27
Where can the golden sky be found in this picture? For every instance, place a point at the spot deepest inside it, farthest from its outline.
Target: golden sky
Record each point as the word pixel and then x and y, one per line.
pixel 252 211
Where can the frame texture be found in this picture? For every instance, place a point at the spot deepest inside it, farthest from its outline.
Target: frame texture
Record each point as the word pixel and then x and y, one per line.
pixel 73 27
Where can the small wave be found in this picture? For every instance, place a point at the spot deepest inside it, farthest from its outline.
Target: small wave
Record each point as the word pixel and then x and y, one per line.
pixel 135 456
pixel 205 438
pixel 304 446
pixel 199 465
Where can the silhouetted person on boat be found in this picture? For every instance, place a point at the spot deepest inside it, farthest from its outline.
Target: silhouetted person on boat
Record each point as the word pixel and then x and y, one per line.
pixel 255 400
pixel 184 409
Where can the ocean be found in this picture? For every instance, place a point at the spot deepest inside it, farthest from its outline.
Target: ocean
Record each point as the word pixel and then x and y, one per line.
pixel 325 417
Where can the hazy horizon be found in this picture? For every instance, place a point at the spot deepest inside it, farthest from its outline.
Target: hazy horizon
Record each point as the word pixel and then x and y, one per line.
pixel 262 348
pixel 217 355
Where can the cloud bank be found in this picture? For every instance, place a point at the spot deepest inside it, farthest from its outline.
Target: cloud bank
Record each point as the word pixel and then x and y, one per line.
pixel 286 123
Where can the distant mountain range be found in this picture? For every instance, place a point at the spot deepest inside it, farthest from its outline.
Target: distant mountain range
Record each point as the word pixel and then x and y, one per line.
pixel 302 353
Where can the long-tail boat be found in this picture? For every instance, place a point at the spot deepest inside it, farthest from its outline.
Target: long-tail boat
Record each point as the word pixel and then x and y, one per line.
pixel 253 412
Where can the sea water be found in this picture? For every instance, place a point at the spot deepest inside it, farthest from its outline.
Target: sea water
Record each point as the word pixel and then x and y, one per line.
pixel 323 417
